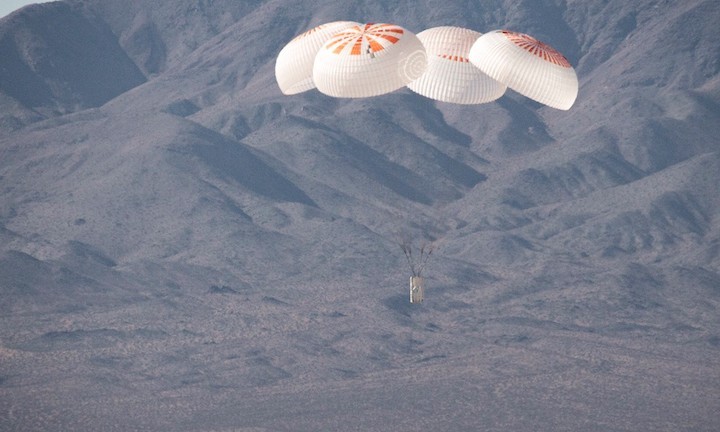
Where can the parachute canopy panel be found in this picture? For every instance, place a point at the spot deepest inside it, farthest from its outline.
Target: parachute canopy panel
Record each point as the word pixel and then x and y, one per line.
pixel 294 64
pixel 450 77
pixel 528 66
pixel 369 60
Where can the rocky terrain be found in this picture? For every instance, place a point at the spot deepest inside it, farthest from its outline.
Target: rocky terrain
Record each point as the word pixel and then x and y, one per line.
pixel 182 247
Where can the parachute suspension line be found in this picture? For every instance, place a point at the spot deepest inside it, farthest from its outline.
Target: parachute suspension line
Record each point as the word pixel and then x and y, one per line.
pixel 417 265
pixel 425 251
pixel 407 250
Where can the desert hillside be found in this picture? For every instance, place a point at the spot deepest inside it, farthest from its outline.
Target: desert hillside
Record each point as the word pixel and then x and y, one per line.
pixel 183 247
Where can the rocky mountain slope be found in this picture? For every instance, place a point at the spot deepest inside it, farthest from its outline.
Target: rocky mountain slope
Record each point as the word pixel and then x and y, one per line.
pixel 181 241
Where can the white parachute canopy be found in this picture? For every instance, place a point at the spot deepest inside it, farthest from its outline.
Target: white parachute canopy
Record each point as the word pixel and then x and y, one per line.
pixel 294 64
pixel 528 66
pixel 368 60
pixel 450 77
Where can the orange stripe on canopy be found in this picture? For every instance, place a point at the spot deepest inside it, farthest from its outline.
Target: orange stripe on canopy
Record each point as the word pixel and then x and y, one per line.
pixel 375 45
pixel 390 38
pixel 356 49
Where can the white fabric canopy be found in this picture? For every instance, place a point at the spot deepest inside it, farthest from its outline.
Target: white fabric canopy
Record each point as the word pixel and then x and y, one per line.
pixel 368 60
pixel 450 77
pixel 294 64
pixel 528 66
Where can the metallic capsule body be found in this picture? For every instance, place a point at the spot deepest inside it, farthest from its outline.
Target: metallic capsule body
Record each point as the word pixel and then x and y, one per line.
pixel 417 289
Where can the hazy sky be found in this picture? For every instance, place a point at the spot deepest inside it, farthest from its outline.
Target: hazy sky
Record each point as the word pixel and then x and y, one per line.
pixel 7 6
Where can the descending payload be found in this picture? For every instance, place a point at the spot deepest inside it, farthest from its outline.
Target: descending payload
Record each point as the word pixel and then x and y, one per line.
pixel 417 259
pixel 368 60
pixel 294 64
pixel 450 77
pixel 528 66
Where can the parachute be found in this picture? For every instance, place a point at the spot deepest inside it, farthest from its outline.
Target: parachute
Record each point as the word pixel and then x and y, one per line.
pixel 294 64
pixel 451 64
pixel 369 60
pixel 450 77
pixel 528 66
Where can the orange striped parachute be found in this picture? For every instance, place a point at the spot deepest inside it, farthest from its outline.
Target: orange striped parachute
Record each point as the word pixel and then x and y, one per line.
pixel 450 64
pixel 528 66
pixel 294 64
pixel 450 77
pixel 369 60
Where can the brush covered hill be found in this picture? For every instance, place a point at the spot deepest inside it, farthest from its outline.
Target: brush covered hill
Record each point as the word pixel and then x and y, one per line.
pixel 172 225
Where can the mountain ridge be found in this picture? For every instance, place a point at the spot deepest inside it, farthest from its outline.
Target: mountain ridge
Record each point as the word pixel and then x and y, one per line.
pixel 192 246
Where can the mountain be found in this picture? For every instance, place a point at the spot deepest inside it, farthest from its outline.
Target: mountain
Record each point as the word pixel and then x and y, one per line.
pixel 180 241
pixel 57 60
